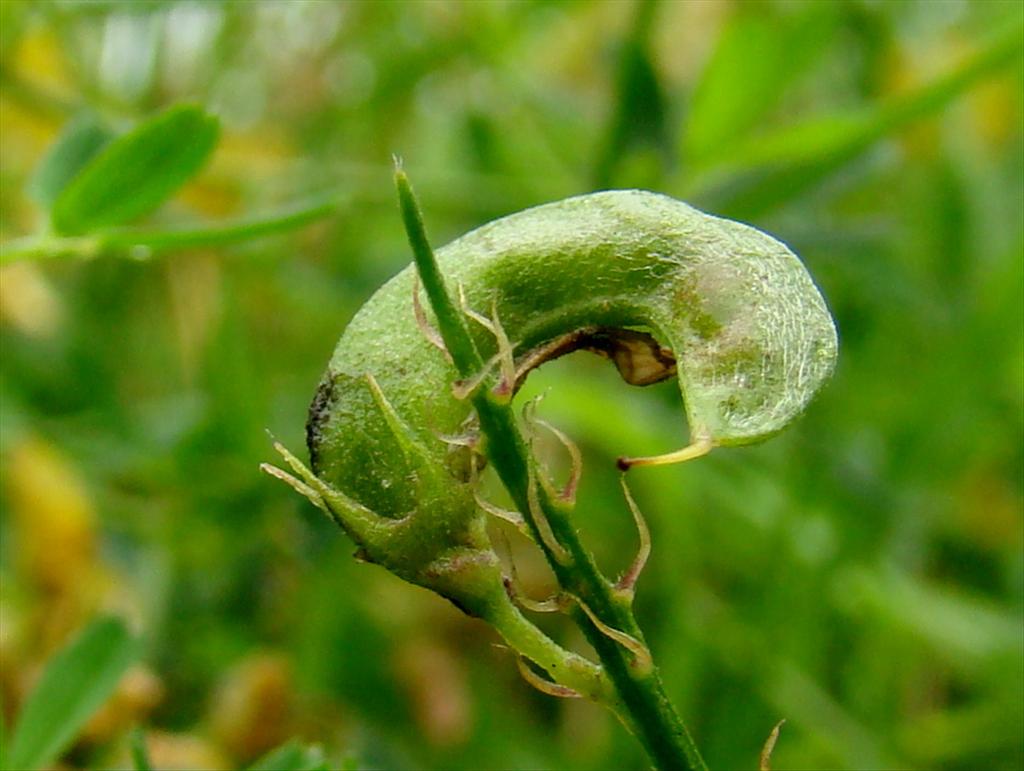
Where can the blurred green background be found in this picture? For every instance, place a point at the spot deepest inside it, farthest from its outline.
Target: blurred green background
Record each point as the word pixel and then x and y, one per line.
pixel 861 575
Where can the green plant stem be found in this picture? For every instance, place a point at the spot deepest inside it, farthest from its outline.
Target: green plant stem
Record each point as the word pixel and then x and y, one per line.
pixel 140 755
pixel 451 322
pixel 572 670
pixel 652 716
pixel 639 687
pixel 140 243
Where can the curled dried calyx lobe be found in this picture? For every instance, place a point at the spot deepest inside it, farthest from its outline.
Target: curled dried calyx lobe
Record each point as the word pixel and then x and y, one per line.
pixel 647 281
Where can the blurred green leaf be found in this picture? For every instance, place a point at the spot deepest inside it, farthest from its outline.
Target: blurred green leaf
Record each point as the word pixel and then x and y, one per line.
pixel 965 628
pixel 80 140
pixel 3 737
pixel 140 755
pixel 349 763
pixel 639 117
pixel 292 756
pixel 137 172
pixel 772 170
pixel 76 681
pixel 159 376
pixel 948 738
pixel 757 59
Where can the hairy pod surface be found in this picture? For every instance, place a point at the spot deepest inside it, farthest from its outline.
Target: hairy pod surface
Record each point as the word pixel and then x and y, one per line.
pixel 646 280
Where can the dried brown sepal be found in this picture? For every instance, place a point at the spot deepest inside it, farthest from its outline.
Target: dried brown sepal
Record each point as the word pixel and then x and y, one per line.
pixel 545 686
pixel 628 580
pixel 540 519
pixel 463 389
pixel 640 359
pixel 554 604
pixel 469 439
pixel 567 493
pixel 514 518
pixel 505 356
pixel 642 660
pixel 765 761
pixel 296 484
pixel 506 387
pixel 429 332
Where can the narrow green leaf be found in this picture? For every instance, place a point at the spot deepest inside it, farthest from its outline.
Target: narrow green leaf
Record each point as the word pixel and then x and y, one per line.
pixel 758 57
pixel 3 738
pixel 140 755
pixel 291 756
pixel 639 116
pixel 80 140
pixel 772 170
pixel 137 172
pixel 76 681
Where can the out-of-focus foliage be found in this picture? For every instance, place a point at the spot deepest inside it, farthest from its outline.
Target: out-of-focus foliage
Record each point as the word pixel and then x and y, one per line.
pixel 81 184
pixel 148 163
pixel 861 575
pixel 74 685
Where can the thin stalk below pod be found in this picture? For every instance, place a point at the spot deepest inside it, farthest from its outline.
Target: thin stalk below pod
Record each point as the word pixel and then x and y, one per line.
pixel 649 713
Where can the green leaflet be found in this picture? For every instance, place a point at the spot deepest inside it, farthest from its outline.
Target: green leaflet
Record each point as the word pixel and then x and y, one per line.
pixel 136 172
pixel 74 684
pixel 81 139
pixel 94 184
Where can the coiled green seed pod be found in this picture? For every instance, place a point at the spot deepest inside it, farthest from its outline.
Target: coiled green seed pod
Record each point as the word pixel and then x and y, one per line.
pixel 656 286
pixel 650 282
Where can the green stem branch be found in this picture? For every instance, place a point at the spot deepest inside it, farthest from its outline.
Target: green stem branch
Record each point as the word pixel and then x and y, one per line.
pixel 638 685
pixel 141 243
